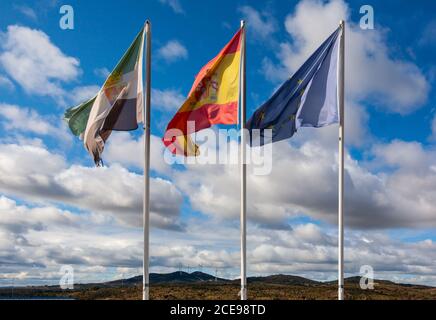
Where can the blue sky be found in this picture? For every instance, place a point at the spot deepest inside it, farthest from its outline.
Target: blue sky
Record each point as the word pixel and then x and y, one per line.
pixel 49 189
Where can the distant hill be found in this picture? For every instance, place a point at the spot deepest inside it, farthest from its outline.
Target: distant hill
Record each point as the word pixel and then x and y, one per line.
pixel 356 280
pixel 173 277
pixel 181 277
pixel 199 277
pixel 284 279
pixel 203 286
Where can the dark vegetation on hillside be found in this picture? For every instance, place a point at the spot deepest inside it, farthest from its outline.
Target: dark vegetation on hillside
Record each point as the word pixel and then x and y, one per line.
pixel 202 286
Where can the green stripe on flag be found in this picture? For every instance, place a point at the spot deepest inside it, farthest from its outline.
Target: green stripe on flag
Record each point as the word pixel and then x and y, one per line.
pixel 128 62
pixel 77 117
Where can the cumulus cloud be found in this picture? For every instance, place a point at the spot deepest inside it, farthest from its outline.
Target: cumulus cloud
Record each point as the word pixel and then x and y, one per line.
pixel 30 58
pixel 172 51
pixel 36 241
pixel 167 100
pixel 304 181
pixel 18 119
pixel 124 149
pixel 307 250
pixel 261 24
pixel 83 93
pixel 405 156
pixel 112 190
pixel 316 255
pixel 371 72
pixel 20 219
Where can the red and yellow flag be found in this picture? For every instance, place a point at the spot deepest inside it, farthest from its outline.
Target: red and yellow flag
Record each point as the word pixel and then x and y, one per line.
pixel 213 99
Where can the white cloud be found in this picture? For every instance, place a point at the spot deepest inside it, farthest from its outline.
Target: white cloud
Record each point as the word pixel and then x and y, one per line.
pixel 167 100
pixel 83 93
pixel 172 51
pixel 316 256
pixel 307 250
pixel 371 72
pixel 122 148
pixel 404 155
pixel 261 24
pixel 102 72
pixel 20 219
pixel 32 60
pixel 19 119
pixel 35 242
pixel 28 12
pixel 6 83
pixel 175 5
pixel 38 251
pixel 38 175
pixel 22 139
pixel 273 72
pixel 118 191
pixel 304 181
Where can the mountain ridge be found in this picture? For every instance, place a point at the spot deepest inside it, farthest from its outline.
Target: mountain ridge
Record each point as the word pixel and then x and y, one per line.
pixel 202 286
pixel 198 277
pixel 202 277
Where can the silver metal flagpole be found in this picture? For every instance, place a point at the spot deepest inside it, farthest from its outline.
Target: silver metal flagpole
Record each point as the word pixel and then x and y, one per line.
pixel 146 203
pixel 341 99
pixel 242 120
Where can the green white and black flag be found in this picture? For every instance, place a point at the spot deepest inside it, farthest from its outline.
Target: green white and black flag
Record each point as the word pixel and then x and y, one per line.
pixel 117 106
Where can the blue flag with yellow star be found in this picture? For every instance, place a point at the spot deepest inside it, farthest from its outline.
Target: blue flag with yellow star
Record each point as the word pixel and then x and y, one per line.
pixel 307 99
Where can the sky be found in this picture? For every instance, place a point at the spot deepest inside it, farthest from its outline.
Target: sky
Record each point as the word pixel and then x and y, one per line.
pixel 57 209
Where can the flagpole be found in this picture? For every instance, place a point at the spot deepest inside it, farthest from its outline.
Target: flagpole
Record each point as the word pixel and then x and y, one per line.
pixel 242 120
pixel 146 200
pixel 341 99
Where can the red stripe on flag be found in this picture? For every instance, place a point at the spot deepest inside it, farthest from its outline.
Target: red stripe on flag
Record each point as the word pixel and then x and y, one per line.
pixel 233 46
pixel 205 116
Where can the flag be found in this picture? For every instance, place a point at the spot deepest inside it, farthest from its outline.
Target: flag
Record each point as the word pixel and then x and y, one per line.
pixel 116 107
pixel 213 99
pixel 307 99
